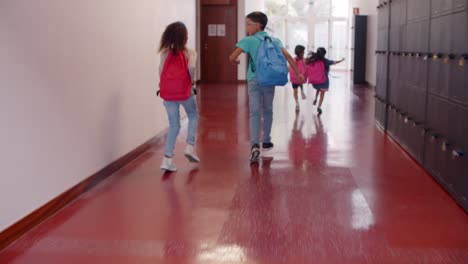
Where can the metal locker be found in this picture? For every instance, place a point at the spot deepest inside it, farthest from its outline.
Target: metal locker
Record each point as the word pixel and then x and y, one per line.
pixel 420 66
pixel 395 39
pixel 414 139
pixel 392 121
pixel 440 34
pixel 422 36
pixel 403 6
pixel 395 14
pixel 417 108
pixel 423 8
pixel 434 160
pixel 459 81
pixel 439 77
pixel 438 114
pixel 393 79
pixel 458 127
pixel 459 5
pixel 411 40
pixel 458 177
pixel 441 7
pixel 459 33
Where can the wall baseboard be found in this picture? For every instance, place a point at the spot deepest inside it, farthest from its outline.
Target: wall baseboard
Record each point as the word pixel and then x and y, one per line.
pixel 12 233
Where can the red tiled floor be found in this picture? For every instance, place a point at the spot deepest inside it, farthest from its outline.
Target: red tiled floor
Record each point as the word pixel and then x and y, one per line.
pixel 333 190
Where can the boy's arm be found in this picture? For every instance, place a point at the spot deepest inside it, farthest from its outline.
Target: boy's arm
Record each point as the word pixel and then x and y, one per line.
pixel 292 63
pixel 234 57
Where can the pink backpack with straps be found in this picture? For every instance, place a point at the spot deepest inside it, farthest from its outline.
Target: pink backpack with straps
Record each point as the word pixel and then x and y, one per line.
pixel 302 69
pixel 316 72
pixel 175 83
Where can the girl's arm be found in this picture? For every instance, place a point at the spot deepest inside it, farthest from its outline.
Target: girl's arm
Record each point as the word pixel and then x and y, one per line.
pixel 292 63
pixel 192 62
pixel 336 62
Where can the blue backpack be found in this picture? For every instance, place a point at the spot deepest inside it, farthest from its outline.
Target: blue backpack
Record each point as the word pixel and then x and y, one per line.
pixel 271 68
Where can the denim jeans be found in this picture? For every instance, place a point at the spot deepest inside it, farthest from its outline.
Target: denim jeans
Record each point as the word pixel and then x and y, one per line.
pixel 172 109
pixel 260 101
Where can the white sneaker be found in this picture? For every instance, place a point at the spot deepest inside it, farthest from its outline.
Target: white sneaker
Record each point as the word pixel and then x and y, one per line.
pixel 168 165
pixel 191 154
pixel 304 96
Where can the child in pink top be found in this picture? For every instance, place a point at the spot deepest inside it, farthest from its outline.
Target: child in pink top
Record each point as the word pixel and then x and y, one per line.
pixel 299 51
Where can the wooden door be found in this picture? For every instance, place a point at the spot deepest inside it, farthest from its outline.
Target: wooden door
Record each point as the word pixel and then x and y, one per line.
pixel 218 39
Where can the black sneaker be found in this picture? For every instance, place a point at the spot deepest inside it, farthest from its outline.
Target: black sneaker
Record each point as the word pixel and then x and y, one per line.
pixel 267 146
pixel 255 153
pixel 315 101
pixel 319 110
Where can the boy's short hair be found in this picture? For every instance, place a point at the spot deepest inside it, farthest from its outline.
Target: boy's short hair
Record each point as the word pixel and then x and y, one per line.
pixel 258 17
pixel 299 49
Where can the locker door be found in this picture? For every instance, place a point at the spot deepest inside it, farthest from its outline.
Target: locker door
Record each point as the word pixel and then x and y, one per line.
pixel 395 39
pixel 440 35
pixel 459 82
pixel 441 7
pixel 434 161
pixel 459 127
pixel 418 106
pixel 459 33
pixel 410 37
pixel 439 77
pixel 423 8
pixel 422 36
pixel 458 173
pixel 459 5
pixel 421 74
pixel 438 115
pixel 394 79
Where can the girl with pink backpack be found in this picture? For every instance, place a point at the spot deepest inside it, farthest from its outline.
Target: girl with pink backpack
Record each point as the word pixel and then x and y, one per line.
pixel 296 83
pixel 317 74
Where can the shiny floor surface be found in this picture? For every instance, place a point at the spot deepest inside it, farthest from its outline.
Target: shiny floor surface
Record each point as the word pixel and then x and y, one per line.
pixel 333 190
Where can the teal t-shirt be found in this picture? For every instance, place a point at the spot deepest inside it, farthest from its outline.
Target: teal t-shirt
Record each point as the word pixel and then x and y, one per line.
pixel 250 46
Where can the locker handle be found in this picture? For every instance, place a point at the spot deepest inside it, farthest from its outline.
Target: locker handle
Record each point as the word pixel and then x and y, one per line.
pixel 411 54
pixel 434 137
pixel 456 153
pixel 451 56
pixel 465 56
pixel 415 123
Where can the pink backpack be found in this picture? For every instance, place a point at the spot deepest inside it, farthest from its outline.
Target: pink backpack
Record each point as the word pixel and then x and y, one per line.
pixel 302 69
pixel 316 73
pixel 175 83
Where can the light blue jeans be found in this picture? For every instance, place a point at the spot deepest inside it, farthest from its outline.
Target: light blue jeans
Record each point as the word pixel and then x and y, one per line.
pixel 173 115
pixel 260 101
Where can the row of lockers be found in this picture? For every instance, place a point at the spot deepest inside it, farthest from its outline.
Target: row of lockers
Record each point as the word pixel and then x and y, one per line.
pixel 421 89
pixel 445 34
pixel 442 75
pixel 443 158
pixel 410 10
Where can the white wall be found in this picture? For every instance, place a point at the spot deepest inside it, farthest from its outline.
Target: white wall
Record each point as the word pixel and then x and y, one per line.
pixel 77 91
pixel 369 8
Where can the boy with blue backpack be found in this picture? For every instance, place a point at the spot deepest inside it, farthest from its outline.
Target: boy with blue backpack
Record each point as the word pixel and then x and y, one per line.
pixel 267 69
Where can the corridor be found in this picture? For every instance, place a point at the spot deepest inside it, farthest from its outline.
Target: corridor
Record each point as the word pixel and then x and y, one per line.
pixel 334 189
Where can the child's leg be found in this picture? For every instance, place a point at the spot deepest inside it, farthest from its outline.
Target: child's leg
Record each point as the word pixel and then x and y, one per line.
pixel 317 94
pixel 302 92
pixel 295 96
pixel 173 115
pixel 322 95
pixel 254 111
pixel 190 107
pixel 268 96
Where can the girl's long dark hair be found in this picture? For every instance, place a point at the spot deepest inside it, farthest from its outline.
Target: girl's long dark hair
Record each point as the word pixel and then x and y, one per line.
pixel 316 56
pixel 174 38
